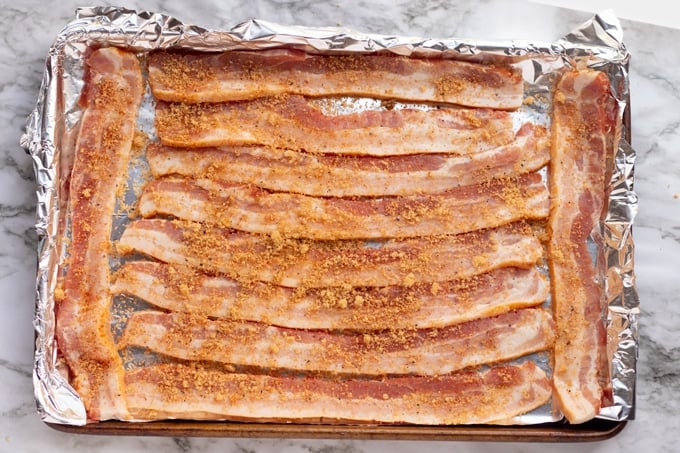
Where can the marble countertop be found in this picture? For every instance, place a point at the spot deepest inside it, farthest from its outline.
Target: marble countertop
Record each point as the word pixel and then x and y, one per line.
pixel 28 28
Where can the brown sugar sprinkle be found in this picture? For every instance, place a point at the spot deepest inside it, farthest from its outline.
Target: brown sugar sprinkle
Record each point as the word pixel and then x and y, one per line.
pixel 447 85
pixel 252 71
pixel 194 118
pixel 352 66
pixel 111 136
pixel 110 95
pixel 200 239
pixel 514 197
pixel 365 309
pixel 139 141
pixel 409 280
pixel 183 279
pixel 346 63
pixel 59 293
pixel 413 212
pixel 204 240
pixel 473 120
pixel 185 74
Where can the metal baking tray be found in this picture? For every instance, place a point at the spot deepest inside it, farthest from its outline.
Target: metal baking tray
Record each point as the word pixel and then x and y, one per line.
pixel 599 39
pixel 592 431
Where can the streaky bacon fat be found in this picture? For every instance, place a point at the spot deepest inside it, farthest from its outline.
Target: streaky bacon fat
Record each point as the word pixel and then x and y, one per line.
pixel 583 133
pixel 293 122
pixel 182 289
pixel 233 205
pixel 343 176
pixel 111 94
pixel 195 392
pixel 427 352
pixel 242 75
pixel 297 262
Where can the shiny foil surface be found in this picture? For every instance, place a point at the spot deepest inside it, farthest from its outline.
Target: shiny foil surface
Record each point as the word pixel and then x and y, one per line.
pixel 52 127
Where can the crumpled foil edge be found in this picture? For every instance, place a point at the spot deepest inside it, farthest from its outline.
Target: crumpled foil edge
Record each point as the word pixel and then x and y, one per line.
pixel 598 43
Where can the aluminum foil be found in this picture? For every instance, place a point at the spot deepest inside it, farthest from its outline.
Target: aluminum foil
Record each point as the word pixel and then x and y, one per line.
pixel 51 128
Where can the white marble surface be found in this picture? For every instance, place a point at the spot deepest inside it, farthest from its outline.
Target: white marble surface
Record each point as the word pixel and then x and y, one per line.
pixel 651 12
pixel 27 29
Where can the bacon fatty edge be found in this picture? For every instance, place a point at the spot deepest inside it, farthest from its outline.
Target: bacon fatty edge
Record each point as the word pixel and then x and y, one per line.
pixel 164 392
pixel 111 95
pixel 584 132
pixel 246 75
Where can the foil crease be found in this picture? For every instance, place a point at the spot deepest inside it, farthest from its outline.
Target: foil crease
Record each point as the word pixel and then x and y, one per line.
pixel 598 43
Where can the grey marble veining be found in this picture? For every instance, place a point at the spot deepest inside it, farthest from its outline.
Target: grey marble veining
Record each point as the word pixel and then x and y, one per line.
pixel 26 31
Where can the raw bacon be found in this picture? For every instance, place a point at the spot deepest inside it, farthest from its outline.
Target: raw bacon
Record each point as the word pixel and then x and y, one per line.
pixel 318 265
pixel 342 176
pixel 583 132
pixel 242 75
pixel 110 98
pixel 182 289
pixel 244 208
pixel 295 263
pixel 196 392
pixel 427 352
pixel 293 122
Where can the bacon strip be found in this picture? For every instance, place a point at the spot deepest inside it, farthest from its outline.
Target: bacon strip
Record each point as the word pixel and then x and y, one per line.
pixel 181 289
pixel 428 352
pixel 111 95
pixel 195 392
pixel 295 263
pixel 342 176
pixel 292 122
pixel 584 130
pixel 244 208
pixel 242 75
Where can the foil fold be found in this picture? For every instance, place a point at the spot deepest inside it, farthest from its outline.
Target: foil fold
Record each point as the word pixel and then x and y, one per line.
pixel 598 43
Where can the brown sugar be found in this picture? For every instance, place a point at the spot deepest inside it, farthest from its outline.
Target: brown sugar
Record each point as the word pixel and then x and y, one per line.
pixel 184 73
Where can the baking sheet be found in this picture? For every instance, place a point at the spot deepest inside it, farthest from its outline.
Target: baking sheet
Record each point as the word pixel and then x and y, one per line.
pixel 50 134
